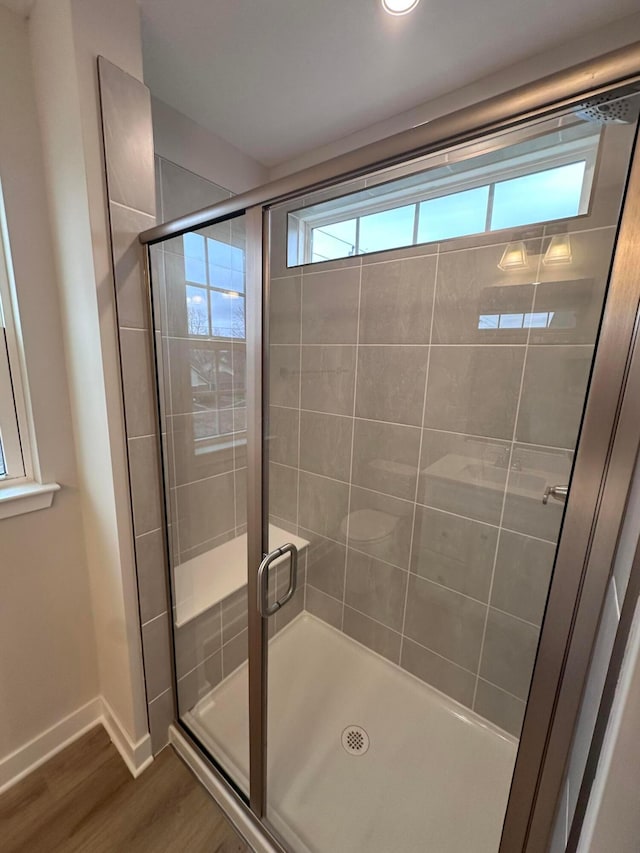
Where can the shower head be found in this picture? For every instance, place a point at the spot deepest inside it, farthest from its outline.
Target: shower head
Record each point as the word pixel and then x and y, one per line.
pixel 610 109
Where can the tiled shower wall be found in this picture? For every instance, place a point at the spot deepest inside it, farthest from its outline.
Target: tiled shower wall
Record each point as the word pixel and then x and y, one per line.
pixel 206 490
pixel 128 144
pixel 394 413
pixel 133 205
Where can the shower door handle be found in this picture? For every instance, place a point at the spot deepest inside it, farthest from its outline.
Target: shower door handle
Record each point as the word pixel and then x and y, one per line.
pixel 557 492
pixel 264 607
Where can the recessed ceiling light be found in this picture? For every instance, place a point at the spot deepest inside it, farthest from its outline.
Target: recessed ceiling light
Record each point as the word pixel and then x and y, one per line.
pixel 399 7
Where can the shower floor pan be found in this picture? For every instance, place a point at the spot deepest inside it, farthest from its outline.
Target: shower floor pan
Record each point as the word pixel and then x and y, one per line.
pixel 434 777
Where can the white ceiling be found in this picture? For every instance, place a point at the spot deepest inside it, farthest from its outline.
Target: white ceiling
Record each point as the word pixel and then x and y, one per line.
pixel 278 77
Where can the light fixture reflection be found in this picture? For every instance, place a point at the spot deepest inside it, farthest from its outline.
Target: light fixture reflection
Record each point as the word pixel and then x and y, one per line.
pixel 559 251
pixel 399 7
pixel 514 257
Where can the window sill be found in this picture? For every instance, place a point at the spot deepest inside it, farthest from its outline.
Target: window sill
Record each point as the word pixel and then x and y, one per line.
pixel 25 496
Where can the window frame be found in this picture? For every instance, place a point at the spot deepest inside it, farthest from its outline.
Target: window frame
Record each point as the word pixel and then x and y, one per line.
pixel 21 488
pixel 581 150
pixel 208 288
pixel 13 419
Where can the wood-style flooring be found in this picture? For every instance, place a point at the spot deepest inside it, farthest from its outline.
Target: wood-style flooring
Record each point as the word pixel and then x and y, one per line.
pixel 84 799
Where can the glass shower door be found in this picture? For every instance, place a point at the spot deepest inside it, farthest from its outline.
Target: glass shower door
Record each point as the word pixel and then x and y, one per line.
pixel 199 291
pixel 431 335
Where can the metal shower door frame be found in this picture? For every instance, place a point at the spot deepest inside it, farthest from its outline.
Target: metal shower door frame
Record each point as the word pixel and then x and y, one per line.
pixel 604 461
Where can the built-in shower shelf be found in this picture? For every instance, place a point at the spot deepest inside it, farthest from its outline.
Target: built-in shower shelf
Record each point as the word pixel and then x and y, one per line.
pixel 211 577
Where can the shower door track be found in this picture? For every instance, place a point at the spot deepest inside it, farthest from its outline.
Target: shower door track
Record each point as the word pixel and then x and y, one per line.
pixel 605 459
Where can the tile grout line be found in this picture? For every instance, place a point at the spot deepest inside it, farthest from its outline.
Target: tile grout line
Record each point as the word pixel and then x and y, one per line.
pixel 418 471
pixel 353 434
pixel 299 407
pixel 476 437
pixel 504 497
pixel 464 345
pixel 415 642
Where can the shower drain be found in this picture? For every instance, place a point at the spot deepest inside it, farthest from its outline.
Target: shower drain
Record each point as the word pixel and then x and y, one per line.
pixel 355 740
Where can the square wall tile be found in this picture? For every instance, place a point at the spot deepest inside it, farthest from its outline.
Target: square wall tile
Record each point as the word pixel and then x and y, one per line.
pixel 509 653
pixel 240 486
pixel 205 509
pixel 284 376
pixel 234 609
pixel 157 658
pixel 376 589
pixel 390 383
pixel 501 708
pixel 151 570
pixel 385 457
pixel 455 552
pixel 176 315
pixel 477 302
pixel 444 621
pixel 325 444
pixel 284 310
pixel 283 435
pixel 128 265
pixel 397 301
pixel 291 609
pixel 325 565
pixel 445 676
pixel 189 361
pixel 144 474
pixel 532 470
pixel 283 491
pixel 522 576
pixel 572 294
pixel 161 716
pixel 553 395
pixel 128 138
pixel 380 526
pixel 324 607
pixel 196 684
pixel 372 634
pixel 193 460
pixel 138 382
pixel 463 474
pixel 330 306
pixel 234 653
pixel 474 390
pixel 328 379
pixel 197 640
pixel 323 506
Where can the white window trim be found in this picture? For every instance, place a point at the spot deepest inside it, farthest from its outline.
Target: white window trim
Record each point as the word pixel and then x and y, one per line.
pixel 305 220
pixel 22 489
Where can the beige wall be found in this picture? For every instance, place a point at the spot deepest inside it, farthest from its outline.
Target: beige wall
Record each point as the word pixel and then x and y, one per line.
pixel 48 665
pixel 66 37
pixel 179 139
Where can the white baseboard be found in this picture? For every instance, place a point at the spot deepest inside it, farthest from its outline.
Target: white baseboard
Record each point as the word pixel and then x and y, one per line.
pixel 32 754
pixel 25 759
pixel 137 756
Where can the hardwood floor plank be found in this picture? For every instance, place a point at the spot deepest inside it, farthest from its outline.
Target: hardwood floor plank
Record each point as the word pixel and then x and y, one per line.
pixel 84 799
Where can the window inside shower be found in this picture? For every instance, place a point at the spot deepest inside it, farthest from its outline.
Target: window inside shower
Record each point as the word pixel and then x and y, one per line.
pixel 546 176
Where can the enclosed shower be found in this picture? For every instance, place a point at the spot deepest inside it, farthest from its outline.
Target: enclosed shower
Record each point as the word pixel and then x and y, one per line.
pixel 372 391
